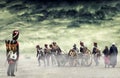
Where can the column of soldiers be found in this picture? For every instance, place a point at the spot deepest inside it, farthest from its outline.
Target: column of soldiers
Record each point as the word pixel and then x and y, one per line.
pixel 52 51
pixel 82 56
pixel 110 54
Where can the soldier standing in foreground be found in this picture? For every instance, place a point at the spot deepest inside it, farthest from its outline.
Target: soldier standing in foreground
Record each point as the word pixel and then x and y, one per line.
pixel 12 52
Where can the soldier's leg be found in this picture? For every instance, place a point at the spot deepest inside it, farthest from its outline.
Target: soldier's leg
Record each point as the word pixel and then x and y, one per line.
pixel 71 61
pixel 57 58
pixel 83 60
pixel 39 61
pixel 52 59
pixel 78 61
pixel 9 70
pixel 114 61
pixel 97 61
pixel 13 69
pixel 44 61
pixel 47 58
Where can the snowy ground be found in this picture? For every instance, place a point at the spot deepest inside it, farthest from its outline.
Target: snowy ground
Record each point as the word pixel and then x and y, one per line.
pixel 28 68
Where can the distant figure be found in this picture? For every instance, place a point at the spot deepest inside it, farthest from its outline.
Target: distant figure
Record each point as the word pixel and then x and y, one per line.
pixel 85 55
pixel 83 52
pixel 96 53
pixel 57 48
pixel 75 48
pixel 47 54
pixel 106 56
pixel 58 52
pixel 82 47
pixel 40 55
pixel 113 55
pixel 53 53
pixel 12 53
pixel 72 58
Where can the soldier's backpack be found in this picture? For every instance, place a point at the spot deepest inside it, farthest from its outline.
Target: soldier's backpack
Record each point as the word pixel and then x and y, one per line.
pixel 11 49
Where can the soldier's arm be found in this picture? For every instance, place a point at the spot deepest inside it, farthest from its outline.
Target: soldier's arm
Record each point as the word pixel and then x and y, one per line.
pixel 116 50
pixel 110 51
pixel 37 54
pixel 17 50
pixel 94 50
pixel 7 51
pixel 80 49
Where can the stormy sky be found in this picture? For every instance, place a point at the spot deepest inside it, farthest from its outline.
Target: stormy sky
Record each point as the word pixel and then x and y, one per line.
pixel 66 0
pixel 69 0
pixel 59 1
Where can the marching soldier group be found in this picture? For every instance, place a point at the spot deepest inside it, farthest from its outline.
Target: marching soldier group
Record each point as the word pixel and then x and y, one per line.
pixel 52 51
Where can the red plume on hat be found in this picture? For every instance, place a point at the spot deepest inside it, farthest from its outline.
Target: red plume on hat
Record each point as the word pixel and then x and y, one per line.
pixel 15 34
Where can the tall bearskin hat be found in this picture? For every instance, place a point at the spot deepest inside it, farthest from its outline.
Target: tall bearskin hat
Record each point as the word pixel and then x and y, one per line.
pixel 15 34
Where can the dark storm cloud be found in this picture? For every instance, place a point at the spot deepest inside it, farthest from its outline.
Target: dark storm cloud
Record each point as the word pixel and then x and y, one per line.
pixel 66 0
pixel 69 1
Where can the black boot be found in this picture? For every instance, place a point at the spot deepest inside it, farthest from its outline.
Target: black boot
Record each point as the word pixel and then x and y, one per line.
pixel 13 75
pixel 8 74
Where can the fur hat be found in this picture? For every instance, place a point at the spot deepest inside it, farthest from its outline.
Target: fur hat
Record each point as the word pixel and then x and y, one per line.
pixel 37 46
pixel 46 45
pixel 95 44
pixel 81 43
pixel 53 42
